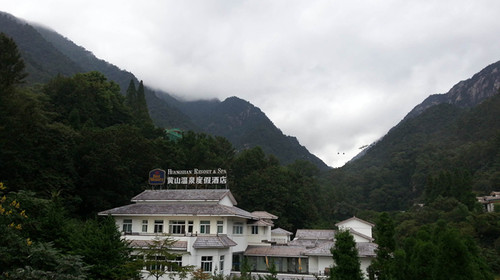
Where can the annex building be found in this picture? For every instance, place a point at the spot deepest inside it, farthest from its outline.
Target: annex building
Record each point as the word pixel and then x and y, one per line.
pixel 212 233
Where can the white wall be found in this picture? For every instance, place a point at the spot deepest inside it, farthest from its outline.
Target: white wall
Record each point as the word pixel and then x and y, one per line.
pixel 357 226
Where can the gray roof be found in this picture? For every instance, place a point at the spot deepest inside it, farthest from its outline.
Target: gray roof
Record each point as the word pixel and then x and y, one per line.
pixel 265 215
pixel 307 243
pixel 280 231
pixel 322 248
pixel 314 234
pixel 365 249
pixel 184 195
pixel 260 223
pixel 213 242
pixel 146 209
pixel 275 251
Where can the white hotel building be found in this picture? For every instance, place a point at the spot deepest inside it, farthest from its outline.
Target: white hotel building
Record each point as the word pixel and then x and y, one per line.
pixel 213 234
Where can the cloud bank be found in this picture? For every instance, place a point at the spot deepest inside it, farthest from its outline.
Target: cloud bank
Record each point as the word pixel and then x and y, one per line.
pixel 335 74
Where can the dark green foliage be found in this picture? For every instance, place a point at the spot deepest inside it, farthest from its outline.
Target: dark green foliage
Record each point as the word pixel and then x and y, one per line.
pixel 78 146
pixel 46 262
pixel 112 167
pixel 24 254
pixel 48 53
pixel 100 245
pixel 260 183
pixel 11 64
pixel 131 95
pixel 93 97
pixel 246 126
pixel 441 252
pixel 142 108
pixel 136 100
pixel 42 60
pixel 28 159
pixel 382 267
pixel 199 150
pixel 457 184
pixel 345 257
pixel 400 169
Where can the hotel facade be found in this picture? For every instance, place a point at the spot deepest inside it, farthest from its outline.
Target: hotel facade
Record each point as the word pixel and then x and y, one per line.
pixel 211 233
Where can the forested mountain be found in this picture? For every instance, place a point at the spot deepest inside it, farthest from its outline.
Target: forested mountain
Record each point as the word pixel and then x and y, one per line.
pixel 76 143
pixel 47 53
pixel 244 125
pixel 459 130
pixel 465 94
pixel 42 60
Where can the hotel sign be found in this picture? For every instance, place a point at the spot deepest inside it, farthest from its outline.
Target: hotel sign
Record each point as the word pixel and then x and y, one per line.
pixel 197 177
pixel 157 177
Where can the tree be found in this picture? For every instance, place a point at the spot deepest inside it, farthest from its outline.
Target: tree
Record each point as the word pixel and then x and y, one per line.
pixel 101 246
pixel 131 95
pixel 46 262
pixel 141 105
pixel 21 256
pixel 94 97
pixel 159 259
pixel 457 257
pixel 11 64
pixel 456 183
pixel 199 274
pixel 113 166
pixel 383 265
pixel 345 257
pixel 439 251
pixel 246 269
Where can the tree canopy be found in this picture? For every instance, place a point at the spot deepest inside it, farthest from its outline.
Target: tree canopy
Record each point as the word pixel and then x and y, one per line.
pixel 345 257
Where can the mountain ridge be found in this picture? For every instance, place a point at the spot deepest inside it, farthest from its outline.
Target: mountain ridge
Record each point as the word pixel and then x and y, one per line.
pixel 466 93
pixel 165 110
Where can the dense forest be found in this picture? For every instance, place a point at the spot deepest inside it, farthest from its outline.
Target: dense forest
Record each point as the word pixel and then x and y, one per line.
pixel 74 145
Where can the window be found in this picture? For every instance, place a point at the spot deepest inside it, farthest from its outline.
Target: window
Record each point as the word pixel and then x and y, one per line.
pixel 205 227
pixel 220 226
pixel 221 263
pixel 158 226
pixel 144 225
pixel 177 227
pixel 127 225
pixel 190 226
pixel 238 228
pixel 255 230
pixel 206 263
pixel 156 263
pixel 175 264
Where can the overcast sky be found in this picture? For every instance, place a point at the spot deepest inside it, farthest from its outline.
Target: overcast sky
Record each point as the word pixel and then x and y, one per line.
pixel 335 74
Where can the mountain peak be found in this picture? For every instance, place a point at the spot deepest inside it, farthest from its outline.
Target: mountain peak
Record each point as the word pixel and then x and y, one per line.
pixel 465 94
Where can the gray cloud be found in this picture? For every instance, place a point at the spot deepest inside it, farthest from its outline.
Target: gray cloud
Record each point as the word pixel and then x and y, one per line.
pixel 335 74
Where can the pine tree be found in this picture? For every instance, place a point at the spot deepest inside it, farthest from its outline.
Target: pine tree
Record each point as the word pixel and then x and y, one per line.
pixel 131 96
pixel 142 107
pixel 382 268
pixel 11 64
pixel 345 257
pixel 136 100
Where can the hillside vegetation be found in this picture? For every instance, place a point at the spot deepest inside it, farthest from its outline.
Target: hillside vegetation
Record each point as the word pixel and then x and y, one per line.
pixel 74 144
